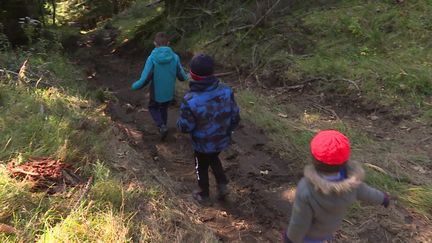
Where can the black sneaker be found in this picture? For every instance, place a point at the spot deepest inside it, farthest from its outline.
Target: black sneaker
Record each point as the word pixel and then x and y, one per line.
pixel 223 191
pixel 163 131
pixel 200 198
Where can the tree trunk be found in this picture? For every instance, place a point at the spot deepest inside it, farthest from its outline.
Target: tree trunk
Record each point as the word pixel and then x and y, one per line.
pixel 54 5
pixel 11 12
pixel 116 6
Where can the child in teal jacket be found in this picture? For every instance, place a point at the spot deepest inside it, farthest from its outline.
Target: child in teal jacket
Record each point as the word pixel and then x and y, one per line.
pixel 162 68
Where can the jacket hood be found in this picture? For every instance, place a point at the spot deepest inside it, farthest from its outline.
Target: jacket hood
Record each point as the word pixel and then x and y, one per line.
pixel 207 84
pixel 355 175
pixel 163 55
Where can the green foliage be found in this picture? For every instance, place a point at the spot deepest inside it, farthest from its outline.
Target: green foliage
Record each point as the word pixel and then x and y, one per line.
pixel 42 122
pixel 89 12
pixel 89 225
pixel 288 138
pixel 417 197
pixel 379 45
pixel 61 120
pixel 130 21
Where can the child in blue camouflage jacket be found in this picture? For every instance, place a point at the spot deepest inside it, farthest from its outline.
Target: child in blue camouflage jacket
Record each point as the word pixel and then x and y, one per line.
pixel 209 113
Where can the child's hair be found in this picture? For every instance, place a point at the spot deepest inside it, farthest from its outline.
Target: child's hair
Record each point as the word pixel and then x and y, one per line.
pixel 321 167
pixel 161 39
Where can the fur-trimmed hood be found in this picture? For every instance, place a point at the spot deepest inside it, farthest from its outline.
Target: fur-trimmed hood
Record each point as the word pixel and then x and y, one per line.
pixel 355 175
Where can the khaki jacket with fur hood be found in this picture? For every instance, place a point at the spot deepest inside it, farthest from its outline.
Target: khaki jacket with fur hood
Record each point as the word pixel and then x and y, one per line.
pixel 320 205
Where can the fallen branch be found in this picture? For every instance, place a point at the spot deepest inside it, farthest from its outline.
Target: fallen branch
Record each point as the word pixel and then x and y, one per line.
pixel 152 4
pixel 83 193
pixel 379 169
pixel 208 12
pixel 217 75
pixel 347 221
pixel 231 31
pixel 256 24
pixel 223 74
pixel 22 171
pixel 327 109
pixel 351 82
pixel 299 86
pixel 21 76
pixel 8 71
pixel 425 139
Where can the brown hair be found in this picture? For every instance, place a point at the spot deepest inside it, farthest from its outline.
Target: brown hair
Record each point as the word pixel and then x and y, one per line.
pixel 161 39
pixel 321 167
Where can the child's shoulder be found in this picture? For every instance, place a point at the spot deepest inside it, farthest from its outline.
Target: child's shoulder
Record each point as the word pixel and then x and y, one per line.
pixel 225 87
pixel 303 189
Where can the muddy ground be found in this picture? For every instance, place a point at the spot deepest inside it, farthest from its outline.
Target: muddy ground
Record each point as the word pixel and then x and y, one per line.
pixel 262 184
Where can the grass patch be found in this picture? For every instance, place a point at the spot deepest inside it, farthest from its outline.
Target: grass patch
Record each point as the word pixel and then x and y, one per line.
pixel 290 136
pixel 287 137
pixel 381 45
pixel 89 225
pixel 418 198
pixel 130 20
pixel 43 123
pixel 63 120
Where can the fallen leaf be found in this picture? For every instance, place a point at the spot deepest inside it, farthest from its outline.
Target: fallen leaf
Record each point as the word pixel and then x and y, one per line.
pixel 419 169
pixel 374 118
pixel 264 172
pixel 283 115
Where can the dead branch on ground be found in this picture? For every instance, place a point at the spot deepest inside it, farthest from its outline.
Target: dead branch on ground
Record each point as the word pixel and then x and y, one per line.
pixel 154 3
pixel 228 32
pixel 255 25
pixel 83 193
pixel 327 109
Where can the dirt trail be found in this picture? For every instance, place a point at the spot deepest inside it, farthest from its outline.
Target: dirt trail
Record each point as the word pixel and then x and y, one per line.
pixel 256 210
pixel 259 204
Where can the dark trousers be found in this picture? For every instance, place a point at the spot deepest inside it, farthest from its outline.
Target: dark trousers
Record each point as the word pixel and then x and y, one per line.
pixel 159 112
pixel 202 163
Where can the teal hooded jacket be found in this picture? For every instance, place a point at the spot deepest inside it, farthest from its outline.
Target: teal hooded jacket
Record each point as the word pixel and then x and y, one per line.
pixel 160 71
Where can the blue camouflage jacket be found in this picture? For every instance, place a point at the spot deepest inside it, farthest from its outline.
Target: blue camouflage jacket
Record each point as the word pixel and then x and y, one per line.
pixel 160 71
pixel 209 113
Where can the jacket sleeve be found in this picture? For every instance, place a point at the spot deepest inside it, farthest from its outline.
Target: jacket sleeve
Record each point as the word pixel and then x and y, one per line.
pixel 235 113
pixel 186 122
pixel 146 75
pixel 181 74
pixel 370 195
pixel 301 217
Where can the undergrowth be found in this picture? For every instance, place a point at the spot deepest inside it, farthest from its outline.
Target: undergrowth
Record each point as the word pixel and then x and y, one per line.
pixel 369 55
pixel 48 111
pixel 290 135
pixel 418 198
pixel 372 53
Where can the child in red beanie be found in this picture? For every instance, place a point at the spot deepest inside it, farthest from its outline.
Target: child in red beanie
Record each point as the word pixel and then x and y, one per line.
pixel 329 187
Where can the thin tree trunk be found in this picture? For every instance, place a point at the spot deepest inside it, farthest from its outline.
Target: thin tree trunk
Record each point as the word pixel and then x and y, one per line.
pixel 54 4
pixel 116 6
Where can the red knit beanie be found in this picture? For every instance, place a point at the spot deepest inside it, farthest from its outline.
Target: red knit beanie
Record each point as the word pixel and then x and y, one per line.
pixel 330 147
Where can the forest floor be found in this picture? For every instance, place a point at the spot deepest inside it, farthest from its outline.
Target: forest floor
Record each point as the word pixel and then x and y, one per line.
pixel 262 181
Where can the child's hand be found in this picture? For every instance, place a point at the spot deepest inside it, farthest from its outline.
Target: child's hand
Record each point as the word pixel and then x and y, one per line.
pixel 285 238
pixel 135 86
pixel 386 201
